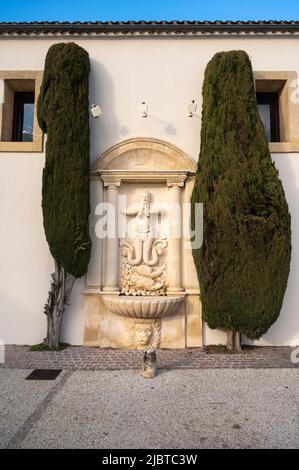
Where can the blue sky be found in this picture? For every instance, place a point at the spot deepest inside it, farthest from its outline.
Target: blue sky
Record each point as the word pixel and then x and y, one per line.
pixel 103 10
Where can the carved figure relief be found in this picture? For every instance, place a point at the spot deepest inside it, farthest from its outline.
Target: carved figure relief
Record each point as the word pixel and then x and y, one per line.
pixel 143 271
pixel 145 334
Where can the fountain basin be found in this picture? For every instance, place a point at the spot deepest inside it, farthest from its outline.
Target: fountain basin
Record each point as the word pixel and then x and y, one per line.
pixel 143 306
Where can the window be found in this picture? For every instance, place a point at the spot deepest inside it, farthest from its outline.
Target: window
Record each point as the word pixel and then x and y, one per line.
pixel 279 109
pixel 19 130
pixel 23 113
pixel 268 106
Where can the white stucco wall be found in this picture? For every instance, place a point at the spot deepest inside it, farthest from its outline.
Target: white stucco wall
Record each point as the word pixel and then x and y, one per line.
pixel 167 74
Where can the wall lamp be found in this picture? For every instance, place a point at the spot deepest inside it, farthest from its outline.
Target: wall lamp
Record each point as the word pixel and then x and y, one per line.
pixel 191 109
pixel 95 111
pixel 143 109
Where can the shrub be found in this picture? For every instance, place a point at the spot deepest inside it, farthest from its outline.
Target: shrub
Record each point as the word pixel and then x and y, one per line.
pixel 63 114
pixel 244 263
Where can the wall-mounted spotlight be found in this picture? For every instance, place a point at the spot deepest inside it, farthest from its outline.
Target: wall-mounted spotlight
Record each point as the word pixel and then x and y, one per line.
pixel 143 109
pixel 95 111
pixel 192 107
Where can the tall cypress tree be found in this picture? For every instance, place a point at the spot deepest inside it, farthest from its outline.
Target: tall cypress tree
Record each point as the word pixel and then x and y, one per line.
pixel 244 263
pixel 63 114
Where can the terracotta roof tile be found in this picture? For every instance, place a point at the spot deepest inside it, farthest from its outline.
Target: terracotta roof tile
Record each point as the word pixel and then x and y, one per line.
pixel 181 28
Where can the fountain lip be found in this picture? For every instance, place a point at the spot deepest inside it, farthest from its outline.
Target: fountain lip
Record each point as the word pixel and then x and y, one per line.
pixel 143 306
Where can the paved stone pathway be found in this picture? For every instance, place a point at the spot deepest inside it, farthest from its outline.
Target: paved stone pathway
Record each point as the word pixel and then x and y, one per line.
pixel 86 358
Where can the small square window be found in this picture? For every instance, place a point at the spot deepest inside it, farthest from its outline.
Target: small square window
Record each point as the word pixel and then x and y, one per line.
pixel 19 130
pixel 268 106
pixel 275 91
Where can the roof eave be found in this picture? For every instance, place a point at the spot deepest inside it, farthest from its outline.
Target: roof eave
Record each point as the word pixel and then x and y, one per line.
pixel 150 28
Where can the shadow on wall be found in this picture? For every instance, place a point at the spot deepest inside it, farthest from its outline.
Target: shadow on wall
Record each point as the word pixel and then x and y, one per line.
pixel 168 128
pixel 105 131
pixel 19 322
pixel 73 322
pixel 285 330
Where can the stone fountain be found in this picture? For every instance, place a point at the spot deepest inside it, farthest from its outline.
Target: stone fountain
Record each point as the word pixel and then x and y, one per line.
pixel 142 289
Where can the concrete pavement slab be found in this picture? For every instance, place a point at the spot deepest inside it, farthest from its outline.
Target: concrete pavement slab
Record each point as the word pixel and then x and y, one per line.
pixel 178 409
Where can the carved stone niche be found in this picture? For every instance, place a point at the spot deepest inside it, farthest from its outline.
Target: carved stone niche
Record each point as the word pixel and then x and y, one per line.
pixel 141 281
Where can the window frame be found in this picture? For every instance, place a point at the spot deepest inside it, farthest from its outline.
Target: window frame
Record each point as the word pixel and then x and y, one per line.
pixel 285 84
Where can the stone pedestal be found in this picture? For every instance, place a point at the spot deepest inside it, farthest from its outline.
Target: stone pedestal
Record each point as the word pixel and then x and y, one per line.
pixel 149 364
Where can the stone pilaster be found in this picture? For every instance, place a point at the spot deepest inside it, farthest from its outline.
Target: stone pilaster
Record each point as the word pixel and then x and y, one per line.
pixel 111 282
pixel 174 264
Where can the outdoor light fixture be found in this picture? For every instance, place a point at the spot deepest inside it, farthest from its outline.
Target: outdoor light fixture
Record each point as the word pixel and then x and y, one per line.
pixel 192 107
pixel 143 109
pixel 96 111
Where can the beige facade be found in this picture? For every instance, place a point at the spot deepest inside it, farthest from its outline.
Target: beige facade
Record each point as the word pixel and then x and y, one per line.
pixel 132 154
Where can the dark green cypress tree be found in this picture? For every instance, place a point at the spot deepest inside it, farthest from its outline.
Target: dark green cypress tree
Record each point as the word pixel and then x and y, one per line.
pixel 244 263
pixel 63 114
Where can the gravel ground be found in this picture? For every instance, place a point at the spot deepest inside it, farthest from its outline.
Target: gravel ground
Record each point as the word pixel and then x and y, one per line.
pixel 178 409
